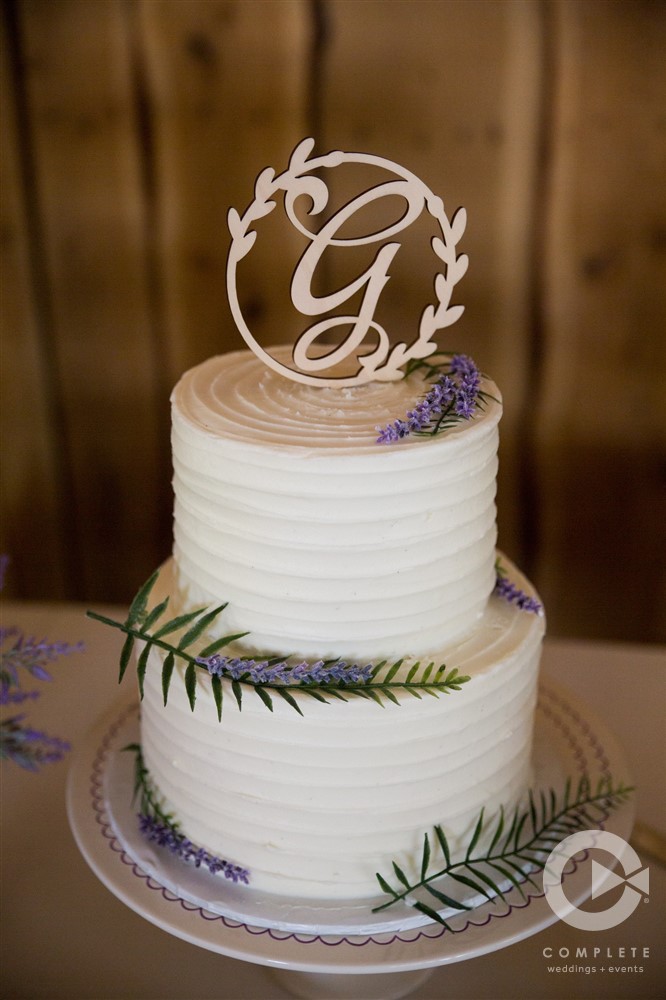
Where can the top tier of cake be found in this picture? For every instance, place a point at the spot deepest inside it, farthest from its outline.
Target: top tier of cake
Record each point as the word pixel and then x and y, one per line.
pixel 323 542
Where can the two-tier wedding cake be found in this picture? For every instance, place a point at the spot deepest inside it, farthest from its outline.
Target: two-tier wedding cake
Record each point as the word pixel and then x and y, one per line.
pixel 378 682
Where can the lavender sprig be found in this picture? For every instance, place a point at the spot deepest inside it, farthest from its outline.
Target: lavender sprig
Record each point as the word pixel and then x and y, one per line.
pixel 10 697
pixel 454 396
pixel 508 591
pixel 266 678
pixel 468 379
pixel 31 655
pixel 27 747
pixel 21 655
pixel 166 836
pixel 270 673
pixel 159 827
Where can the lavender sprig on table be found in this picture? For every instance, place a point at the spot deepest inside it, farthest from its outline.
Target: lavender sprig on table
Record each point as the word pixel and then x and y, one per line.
pixel 29 748
pixel 30 654
pixel 22 655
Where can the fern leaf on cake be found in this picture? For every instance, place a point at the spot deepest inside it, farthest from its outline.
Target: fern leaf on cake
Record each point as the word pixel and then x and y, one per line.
pixel 180 639
pixel 510 857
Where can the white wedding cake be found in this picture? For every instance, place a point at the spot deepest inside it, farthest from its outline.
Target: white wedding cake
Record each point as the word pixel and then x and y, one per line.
pixel 328 545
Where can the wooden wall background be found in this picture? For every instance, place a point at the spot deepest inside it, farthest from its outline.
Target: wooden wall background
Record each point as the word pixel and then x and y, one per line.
pixel 130 126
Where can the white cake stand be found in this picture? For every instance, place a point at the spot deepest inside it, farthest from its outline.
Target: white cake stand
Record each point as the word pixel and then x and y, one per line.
pixel 304 940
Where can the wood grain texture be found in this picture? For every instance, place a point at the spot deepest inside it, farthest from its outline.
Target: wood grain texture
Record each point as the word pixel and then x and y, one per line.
pixel 453 92
pixel 32 488
pixel 226 95
pixel 601 418
pixel 82 128
pixel 129 129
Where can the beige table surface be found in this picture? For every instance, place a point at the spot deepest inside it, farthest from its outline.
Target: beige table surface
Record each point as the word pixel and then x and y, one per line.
pixel 64 935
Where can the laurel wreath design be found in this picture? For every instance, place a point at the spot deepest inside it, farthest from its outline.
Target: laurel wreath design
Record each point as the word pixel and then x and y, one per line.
pixel 297 180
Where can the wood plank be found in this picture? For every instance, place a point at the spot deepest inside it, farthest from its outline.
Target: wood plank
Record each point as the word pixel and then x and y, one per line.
pixel 601 426
pixel 31 484
pixel 183 103
pixel 452 91
pixel 106 355
pixel 226 87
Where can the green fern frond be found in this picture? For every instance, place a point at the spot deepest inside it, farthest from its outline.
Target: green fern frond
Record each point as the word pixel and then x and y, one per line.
pixel 167 671
pixel 514 854
pixel 179 637
pixel 138 607
pixel 149 801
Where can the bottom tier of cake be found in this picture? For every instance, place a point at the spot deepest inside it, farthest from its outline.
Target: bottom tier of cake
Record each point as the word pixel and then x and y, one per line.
pixel 315 805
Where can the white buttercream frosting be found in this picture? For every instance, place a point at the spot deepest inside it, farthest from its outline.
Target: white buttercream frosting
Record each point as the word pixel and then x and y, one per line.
pixel 322 541
pixel 325 543
pixel 315 805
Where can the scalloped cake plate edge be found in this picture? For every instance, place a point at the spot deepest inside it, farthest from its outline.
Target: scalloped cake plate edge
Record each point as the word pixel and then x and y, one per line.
pixel 98 814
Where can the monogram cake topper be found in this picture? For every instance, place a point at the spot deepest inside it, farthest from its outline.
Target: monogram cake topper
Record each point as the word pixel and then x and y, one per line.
pixel 312 356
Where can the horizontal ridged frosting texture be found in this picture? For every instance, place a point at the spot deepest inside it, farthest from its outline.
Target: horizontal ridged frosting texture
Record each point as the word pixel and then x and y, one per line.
pixel 314 805
pixel 322 541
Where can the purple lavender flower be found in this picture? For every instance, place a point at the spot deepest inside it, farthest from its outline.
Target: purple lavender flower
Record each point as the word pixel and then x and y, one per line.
pixel 507 590
pixel 393 432
pixel 469 381
pixel 462 365
pixel 29 748
pixel 165 835
pixel 32 655
pixel 10 697
pixel 282 673
pixel 454 395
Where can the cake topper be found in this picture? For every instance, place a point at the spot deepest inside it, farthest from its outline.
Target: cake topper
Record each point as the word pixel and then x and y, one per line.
pixel 384 362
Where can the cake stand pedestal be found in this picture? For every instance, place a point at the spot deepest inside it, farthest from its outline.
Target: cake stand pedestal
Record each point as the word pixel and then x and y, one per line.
pixel 329 986
pixel 319 949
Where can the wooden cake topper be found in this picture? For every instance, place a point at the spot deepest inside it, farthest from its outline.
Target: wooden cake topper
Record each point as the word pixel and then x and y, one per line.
pixel 385 362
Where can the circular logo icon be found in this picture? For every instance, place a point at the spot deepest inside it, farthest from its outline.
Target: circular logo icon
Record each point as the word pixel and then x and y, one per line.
pixel 635 880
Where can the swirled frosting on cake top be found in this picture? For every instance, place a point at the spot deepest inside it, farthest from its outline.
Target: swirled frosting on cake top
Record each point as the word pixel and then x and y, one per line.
pixel 322 541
